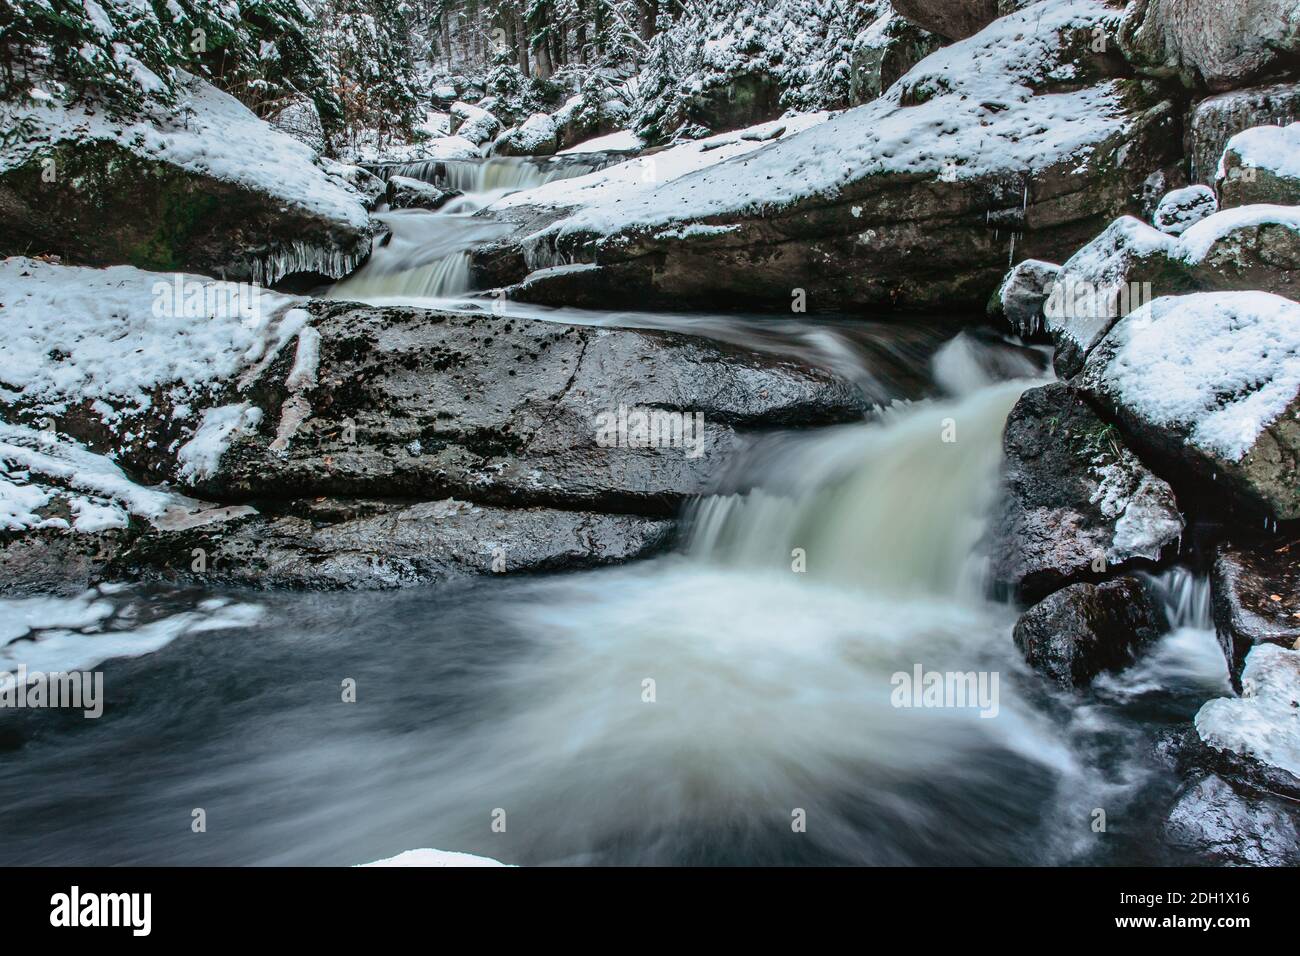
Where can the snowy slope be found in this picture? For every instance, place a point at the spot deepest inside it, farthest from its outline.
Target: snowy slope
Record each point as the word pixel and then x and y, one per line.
pixel 982 116
pixel 210 133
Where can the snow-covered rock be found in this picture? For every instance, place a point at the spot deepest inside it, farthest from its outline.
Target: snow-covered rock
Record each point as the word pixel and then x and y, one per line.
pixel 132 362
pixel 207 187
pixel 370 186
pixel 1223 45
pixel 1261 165
pixel 406 193
pixel 1023 293
pixel 1004 143
pixel 1264 722
pixel 1075 502
pixel 1210 382
pixel 1256 598
pixel 1215 120
pixel 884 52
pixel 1183 208
pixel 536 136
pixel 473 123
pixel 1130 263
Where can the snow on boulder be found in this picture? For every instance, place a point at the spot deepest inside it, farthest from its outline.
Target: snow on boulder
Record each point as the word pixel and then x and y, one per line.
pixel 1023 293
pixel 1008 144
pixel 407 193
pixel 1221 44
pixel 536 136
pixel 1261 165
pixel 1183 208
pixel 1264 722
pixel 1131 263
pixel 144 366
pixel 1216 119
pixel 1210 384
pixel 205 187
pixel 473 123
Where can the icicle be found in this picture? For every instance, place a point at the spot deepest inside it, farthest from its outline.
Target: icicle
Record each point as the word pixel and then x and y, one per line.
pixel 299 256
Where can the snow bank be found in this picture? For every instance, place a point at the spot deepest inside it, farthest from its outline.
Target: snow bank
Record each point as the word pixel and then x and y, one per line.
pixel 1264 721
pixel 624 182
pixel 1219 366
pixel 40 471
pixel 208 133
pixel 982 116
pixel 113 337
pixel 623 140
pixel 427 857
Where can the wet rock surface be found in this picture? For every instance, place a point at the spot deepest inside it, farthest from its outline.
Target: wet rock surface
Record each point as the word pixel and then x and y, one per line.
pixel 1234 827
pixel 507 411
pixel 334 544
pixel 1256 595
pixel 1075 501
pixel 1080 631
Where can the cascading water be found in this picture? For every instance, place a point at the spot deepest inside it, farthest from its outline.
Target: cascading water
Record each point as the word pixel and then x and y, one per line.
pixel 685 709
pixel 426 256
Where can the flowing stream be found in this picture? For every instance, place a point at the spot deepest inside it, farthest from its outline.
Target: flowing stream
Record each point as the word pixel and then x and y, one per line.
pixel 733 702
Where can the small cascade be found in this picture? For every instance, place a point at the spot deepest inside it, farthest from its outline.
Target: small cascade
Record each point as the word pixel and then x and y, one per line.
pixel 427 254
pixel 1185 596
pixel 896 506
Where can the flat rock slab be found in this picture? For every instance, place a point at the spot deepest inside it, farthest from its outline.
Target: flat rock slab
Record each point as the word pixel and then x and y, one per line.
pixel 421 404
pixel 335 544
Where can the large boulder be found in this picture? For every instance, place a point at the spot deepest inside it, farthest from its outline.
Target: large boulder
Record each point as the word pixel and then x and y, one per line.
pixel 1018 142
pixel 208 188
pixel 1183 208
pixel 329 398
pixel 1075 502
pixel 953 19
pixel 1215 120
pixel 883 53
pixel 1130 263
pixel 1023 294
pixel 1222 45
pixel 1208 385
pixel 403 192
pixel 1224 824
pixel 473 123
pixel 536 136
pixel 1261 165
pixel 519 412
pixel 1080 631
pixel 1256 599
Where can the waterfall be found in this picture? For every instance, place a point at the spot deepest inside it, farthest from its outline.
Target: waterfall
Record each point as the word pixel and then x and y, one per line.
pixel 895 506
pixel 427 254
pixel 1185 595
